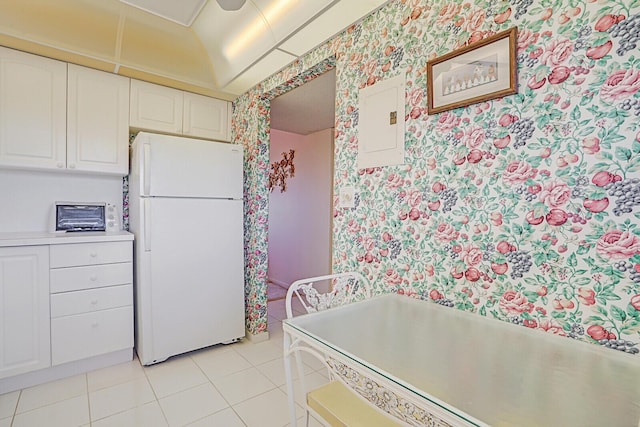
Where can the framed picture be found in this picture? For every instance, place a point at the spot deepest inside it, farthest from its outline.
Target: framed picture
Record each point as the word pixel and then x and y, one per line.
pixel 481 71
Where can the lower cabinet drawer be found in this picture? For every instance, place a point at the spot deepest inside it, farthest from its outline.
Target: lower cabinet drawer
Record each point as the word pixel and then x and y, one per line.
pixel 76 254
pixel 78 302
pixel 85 335
pixel 88 277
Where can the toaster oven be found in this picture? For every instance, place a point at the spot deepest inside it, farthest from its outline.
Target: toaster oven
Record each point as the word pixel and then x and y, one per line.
pixel 71 216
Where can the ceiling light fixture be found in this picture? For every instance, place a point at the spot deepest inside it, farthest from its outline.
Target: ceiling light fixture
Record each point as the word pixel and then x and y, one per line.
pixel 231 4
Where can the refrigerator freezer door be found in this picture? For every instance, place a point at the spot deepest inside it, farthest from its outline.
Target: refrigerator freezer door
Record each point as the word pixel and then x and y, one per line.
pixel 170 166
pixel 192 294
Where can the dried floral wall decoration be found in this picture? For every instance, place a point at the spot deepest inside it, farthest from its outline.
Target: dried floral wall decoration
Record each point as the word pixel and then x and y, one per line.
pixel 282 170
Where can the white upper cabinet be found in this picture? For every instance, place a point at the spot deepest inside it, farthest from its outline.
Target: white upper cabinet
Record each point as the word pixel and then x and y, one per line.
pixel 205 117
pixel 162 109
pixel 58 119
pixel 33 92
pixel 97 121
pixel 155 107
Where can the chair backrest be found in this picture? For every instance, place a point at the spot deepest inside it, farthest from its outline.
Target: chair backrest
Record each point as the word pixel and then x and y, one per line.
pixel 323 292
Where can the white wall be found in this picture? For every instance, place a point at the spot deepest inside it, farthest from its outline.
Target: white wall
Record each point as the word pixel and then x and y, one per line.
pixel 300 218
pixel 27 197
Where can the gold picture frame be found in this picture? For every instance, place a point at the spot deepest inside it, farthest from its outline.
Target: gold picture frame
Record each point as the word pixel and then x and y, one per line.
pixel 475 73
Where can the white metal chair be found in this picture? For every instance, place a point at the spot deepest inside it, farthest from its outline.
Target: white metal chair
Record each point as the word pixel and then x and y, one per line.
pixel 323 292
pixel 334 404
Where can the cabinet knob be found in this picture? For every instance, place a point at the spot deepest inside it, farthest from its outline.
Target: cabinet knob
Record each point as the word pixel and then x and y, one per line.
pixel 93 254
pixel 93 277
pixel 72 165
pixel 59 165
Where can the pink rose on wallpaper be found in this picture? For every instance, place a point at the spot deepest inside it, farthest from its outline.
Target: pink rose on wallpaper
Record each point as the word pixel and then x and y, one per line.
pixel 635 302
pixel 370 67
pixel 518 172
pixel 368 243
pixel 416 96
pixel 394 180
pixel 448 12
pixel 471 255
pixel 446 122
pixel 515 303
pixel 526 38
pixel 586 296
pixel 555 194
pixel 556 52
pixel 473 137
pixel 475 20
pixel 446 233
pixel 549 325
pixel 619 85
pixel 415 197
pixel 616 244
pixel 591 144
pixel 392 277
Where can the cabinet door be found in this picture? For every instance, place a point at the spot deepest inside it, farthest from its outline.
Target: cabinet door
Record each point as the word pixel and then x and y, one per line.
pixel 205 117
pixel 33 94
pixel 97 121
pixel 155 107
pixel 24 311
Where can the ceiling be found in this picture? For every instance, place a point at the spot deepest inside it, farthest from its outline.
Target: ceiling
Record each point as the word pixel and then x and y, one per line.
pixel 193 45
pixel 308 108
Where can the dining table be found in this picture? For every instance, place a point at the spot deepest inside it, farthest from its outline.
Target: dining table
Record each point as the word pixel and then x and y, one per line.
pixel 427 364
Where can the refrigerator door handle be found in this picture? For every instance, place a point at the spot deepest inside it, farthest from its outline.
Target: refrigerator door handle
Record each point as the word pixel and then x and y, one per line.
pixel 147 225
pixel 147 169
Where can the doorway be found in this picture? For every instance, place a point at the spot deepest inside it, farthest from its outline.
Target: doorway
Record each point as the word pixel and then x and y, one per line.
pixel 301 200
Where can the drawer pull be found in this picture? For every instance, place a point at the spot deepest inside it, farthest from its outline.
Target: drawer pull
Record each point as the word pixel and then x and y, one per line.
pixel 94 302
pixel 94 325
pixel 93 277
pixel 93 254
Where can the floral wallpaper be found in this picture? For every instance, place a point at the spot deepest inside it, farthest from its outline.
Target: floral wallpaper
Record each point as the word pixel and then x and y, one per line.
pixel 525 208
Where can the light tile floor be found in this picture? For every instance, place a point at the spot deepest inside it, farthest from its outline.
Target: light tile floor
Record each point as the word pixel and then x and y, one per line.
pixel 237 385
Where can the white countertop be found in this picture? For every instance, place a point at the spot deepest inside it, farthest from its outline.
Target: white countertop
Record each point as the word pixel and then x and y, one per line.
pixel 44 238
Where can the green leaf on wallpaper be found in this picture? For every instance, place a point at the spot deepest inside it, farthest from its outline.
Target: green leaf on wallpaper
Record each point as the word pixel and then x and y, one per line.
pixel 623 154
pixel 598 39
pixel 600 309
pixel 531 296
pixel 585 131
pixel 582 250
pixel 595 320
pixel 539 258
pixel 565 29
pixel 583 281
pixel 572 261
pixel 568 292
pixel 618 314
pixel 635 146
pixel 576 114
pixel 483 311
pixel 632 312
pixel 563 172
pixel 631 327
pixel 559 314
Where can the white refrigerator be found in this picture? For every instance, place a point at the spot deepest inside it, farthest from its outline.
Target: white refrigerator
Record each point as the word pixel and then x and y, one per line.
pixel 186 212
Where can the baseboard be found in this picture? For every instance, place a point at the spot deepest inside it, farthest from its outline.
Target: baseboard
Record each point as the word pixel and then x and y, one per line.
pixel 256 338
pixel 279 283
pixel 41 376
